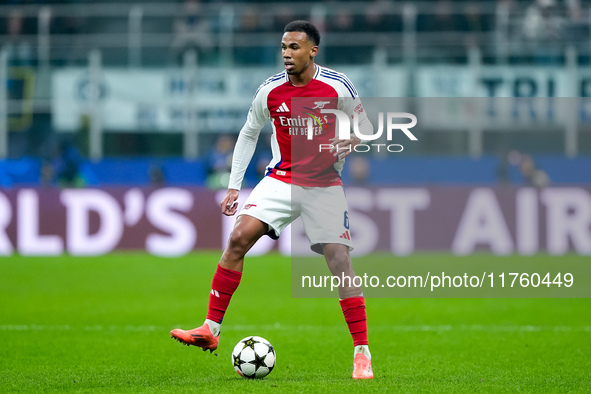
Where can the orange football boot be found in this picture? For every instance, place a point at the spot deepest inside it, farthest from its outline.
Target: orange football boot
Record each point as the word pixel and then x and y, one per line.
pixel 362 367
pixel 200 337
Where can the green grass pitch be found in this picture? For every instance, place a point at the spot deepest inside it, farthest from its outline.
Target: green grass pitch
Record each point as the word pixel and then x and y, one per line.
pixel 102 324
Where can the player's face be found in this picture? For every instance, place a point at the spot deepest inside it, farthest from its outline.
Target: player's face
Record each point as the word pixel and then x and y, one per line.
pixel 297 51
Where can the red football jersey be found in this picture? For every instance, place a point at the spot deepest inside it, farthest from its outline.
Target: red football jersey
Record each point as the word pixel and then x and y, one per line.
pixel 296 158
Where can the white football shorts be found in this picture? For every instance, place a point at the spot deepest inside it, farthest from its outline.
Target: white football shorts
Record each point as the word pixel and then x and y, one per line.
pixel 324 211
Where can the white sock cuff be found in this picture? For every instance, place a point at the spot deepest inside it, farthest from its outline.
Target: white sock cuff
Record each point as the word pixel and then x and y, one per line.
pixel 214 327
pixel 363 349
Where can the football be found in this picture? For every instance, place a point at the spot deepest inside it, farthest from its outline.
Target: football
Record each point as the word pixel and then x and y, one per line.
pixel 253 357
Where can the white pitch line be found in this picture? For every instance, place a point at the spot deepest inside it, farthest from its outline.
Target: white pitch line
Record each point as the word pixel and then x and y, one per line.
pixel 295 328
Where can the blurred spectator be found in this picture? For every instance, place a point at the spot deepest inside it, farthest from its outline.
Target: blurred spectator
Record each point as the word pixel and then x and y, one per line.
pixel 67 166
pixel 533 176
pixel 503 27
pixel 474 21
pixel 157 176
pixel 219 162
pixel 472 18
pixel 250 23
pixel 344 22
pixel 542 30
pixel 377 19
pixel 541 21
pixel 359 169
pixel 283 16
pixel 193 30
pixel 20 51
pixel 577 26
pixel 445 19
pixel 503 171
pixel 440 19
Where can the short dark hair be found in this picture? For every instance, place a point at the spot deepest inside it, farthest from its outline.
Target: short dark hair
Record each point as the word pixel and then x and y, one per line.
pixel 305 27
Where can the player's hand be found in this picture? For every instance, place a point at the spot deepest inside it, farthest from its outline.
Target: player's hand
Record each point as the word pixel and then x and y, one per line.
pixel 229 204
pixel 343 148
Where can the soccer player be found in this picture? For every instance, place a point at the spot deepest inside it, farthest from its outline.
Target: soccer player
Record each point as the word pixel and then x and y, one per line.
pixel 296 184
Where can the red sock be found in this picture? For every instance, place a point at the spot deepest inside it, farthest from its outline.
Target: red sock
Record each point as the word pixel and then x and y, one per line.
pixel 354 311
pixel 224 283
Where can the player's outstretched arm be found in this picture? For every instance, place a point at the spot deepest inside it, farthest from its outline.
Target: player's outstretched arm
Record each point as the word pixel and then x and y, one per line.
pixel 229 203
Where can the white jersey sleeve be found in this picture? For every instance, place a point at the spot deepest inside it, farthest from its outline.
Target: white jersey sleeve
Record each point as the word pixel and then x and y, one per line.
pixel 352 106
pixel 349 101
pixel 247 139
